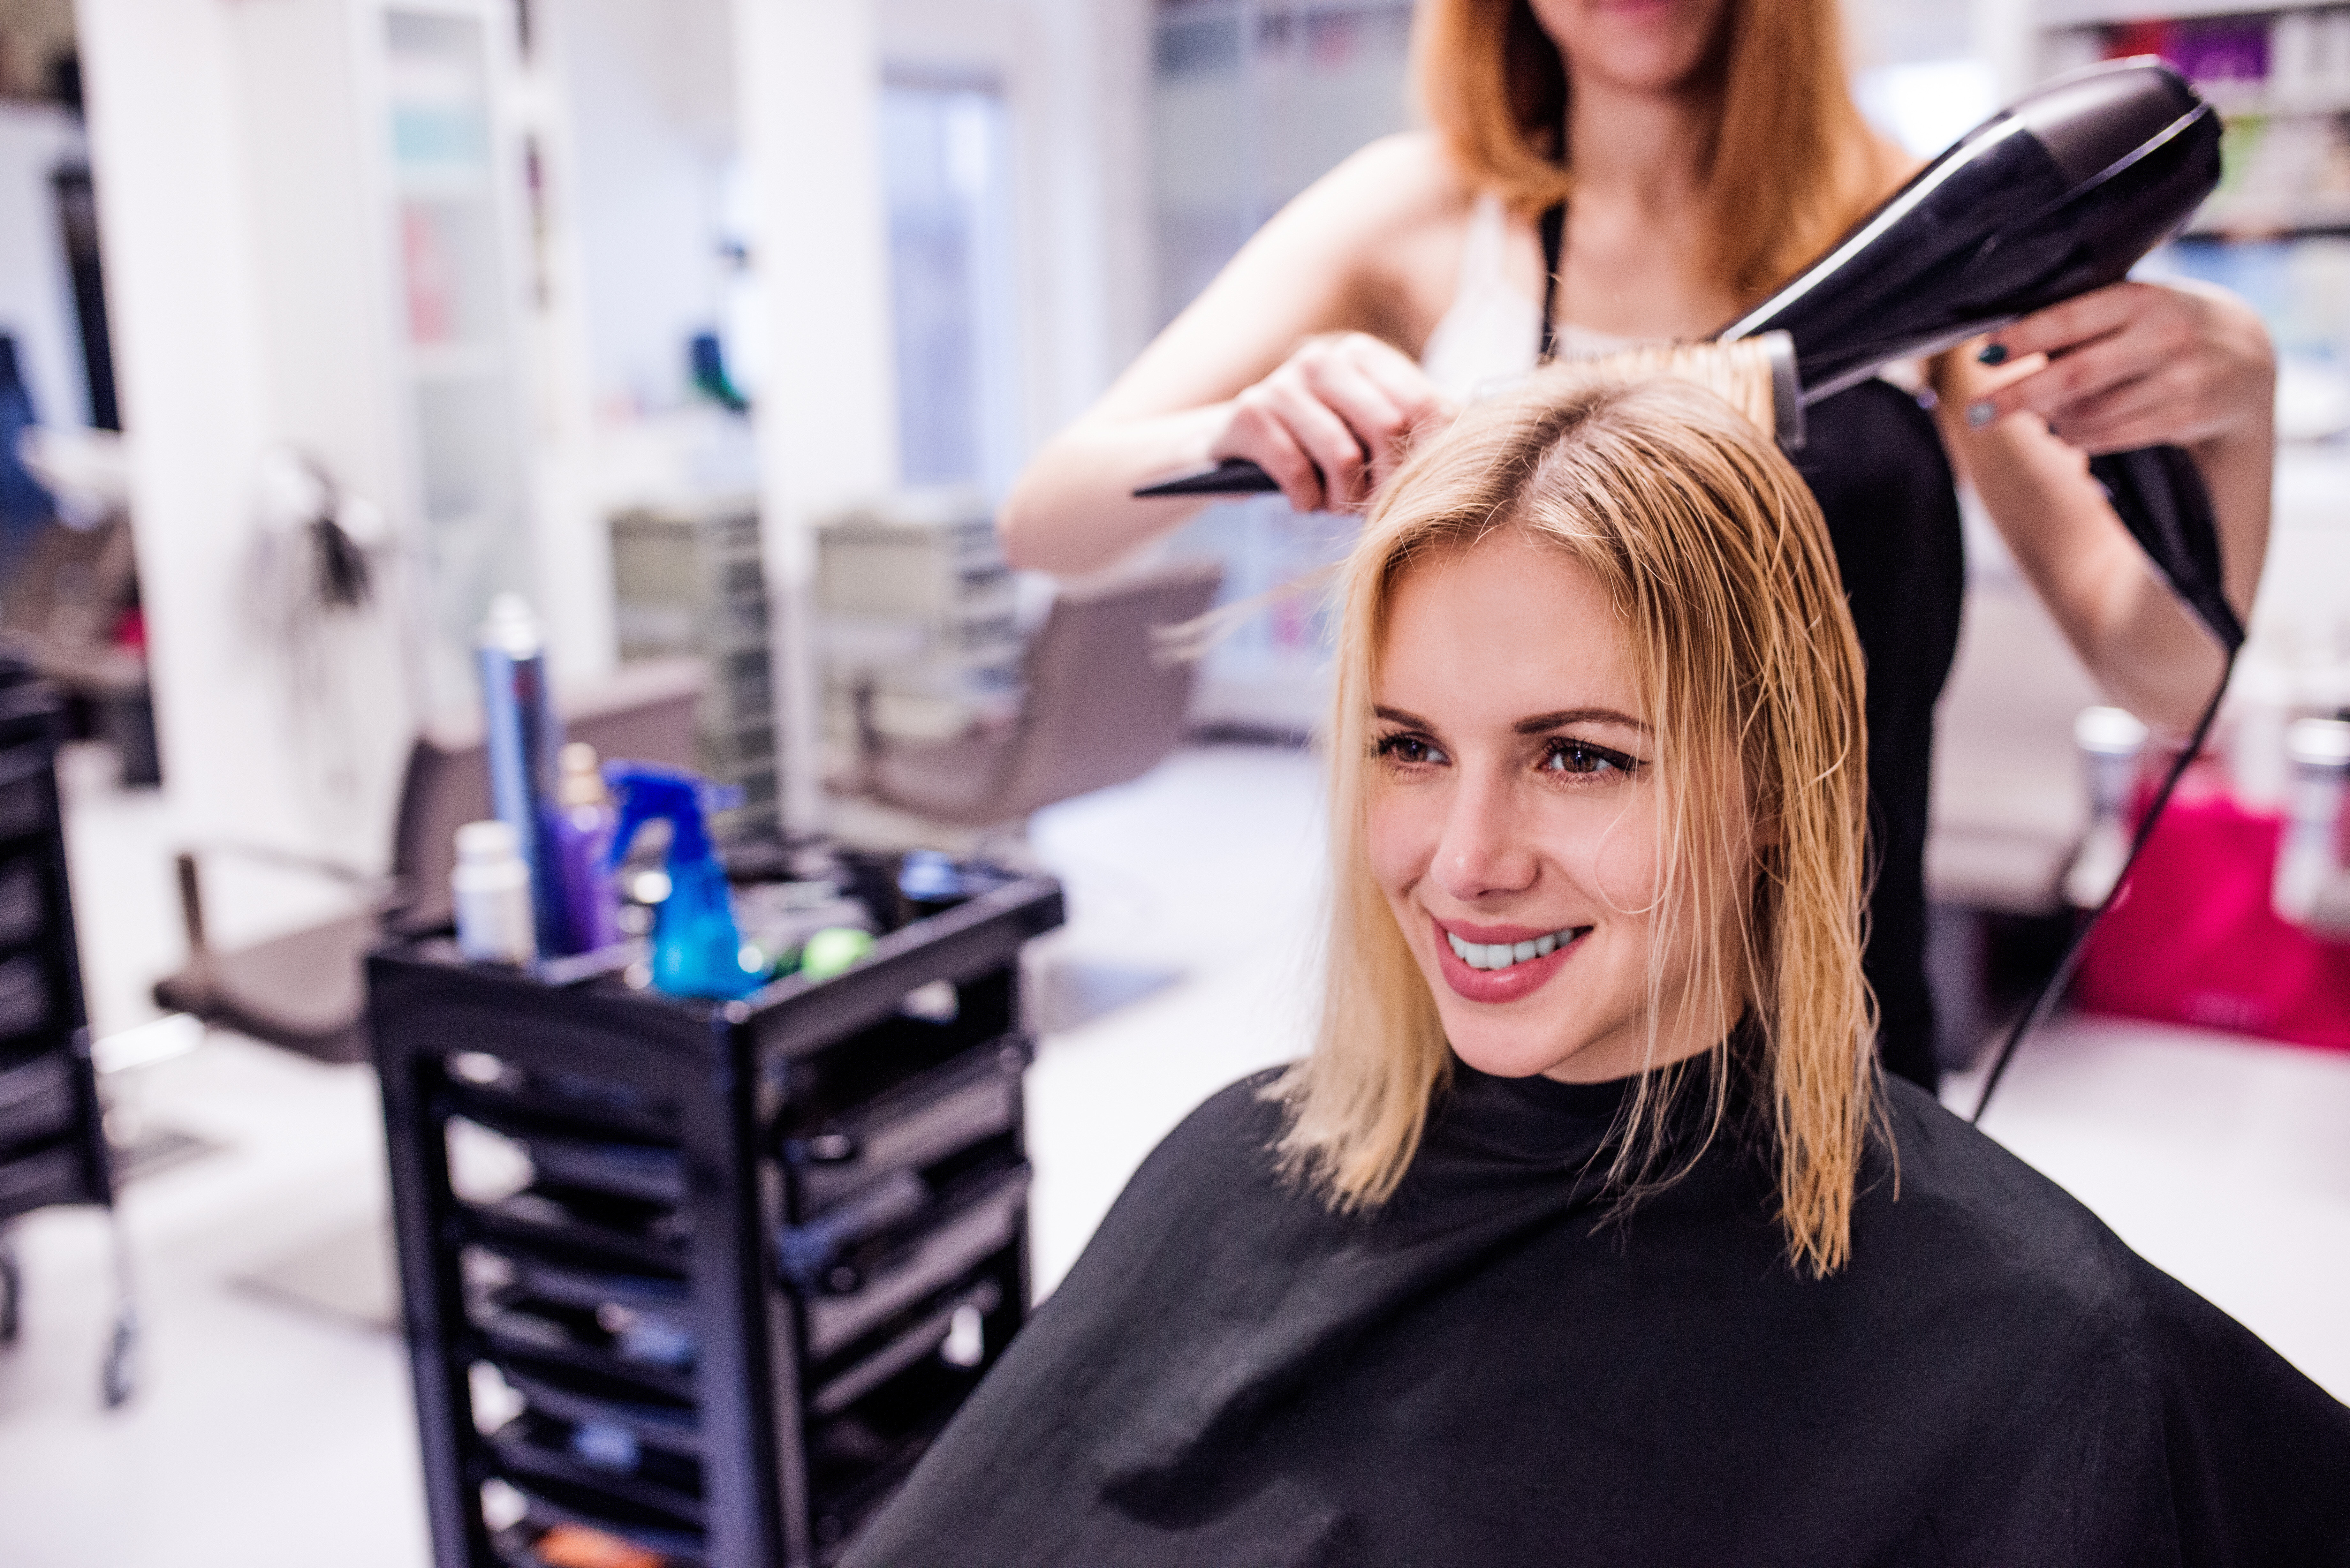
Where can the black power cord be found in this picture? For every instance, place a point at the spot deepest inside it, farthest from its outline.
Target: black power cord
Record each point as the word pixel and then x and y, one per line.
pixel 2053 986
pixel 2158 493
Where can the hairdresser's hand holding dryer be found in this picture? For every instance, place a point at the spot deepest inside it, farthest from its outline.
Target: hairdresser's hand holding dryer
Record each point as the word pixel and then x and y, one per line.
pixel 1703 151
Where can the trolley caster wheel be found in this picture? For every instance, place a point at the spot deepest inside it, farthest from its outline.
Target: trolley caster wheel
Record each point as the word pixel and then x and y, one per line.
pixel 118 1377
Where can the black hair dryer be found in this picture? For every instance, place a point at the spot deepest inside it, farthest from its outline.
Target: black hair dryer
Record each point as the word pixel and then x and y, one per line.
pixel 2060 194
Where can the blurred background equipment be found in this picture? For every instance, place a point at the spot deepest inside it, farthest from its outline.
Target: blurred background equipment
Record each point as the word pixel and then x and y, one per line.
pixel 1103 695
pixel 921 636
pixel 2230 919
pixel 690 579
pixel 70 592
pixel 53 1147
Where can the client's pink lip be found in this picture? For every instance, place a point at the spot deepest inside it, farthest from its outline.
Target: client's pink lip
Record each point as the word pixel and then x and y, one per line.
pixel 1497 985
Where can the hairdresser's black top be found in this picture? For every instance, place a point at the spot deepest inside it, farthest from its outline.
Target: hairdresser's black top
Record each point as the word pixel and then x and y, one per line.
pixel 1875 463
pixel 1483 1373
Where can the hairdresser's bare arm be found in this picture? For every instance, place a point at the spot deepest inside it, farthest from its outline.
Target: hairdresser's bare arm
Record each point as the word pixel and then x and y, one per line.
pixel 2132 366
pixel 1287 358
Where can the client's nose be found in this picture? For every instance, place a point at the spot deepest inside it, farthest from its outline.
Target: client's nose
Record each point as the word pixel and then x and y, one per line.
pixel 1484 851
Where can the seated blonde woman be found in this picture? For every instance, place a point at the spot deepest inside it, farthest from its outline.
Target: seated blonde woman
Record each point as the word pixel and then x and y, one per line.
pixel 1589 1231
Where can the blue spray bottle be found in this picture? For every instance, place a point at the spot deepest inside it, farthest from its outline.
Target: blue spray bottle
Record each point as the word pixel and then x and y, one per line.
pixel 697 949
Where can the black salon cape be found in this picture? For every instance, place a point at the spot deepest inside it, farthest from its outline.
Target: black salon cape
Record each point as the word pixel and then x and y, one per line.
pixel 1483 1374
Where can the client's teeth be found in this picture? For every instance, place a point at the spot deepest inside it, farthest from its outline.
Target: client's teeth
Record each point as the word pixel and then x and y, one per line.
pixel 1502 955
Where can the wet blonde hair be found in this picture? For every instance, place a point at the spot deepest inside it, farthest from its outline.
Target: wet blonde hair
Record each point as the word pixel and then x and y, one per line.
pixel 1716 557
pixel 1789 163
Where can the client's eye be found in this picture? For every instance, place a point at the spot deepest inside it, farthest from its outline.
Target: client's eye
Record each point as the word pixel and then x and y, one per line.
pixel 1411 749
pixel 1582 757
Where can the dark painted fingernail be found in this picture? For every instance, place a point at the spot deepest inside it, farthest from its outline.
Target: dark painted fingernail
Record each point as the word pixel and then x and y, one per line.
pixel 1992 354
pixel 1979 414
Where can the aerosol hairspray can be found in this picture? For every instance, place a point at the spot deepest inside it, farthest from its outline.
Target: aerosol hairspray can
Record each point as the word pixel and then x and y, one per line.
pixel 523 737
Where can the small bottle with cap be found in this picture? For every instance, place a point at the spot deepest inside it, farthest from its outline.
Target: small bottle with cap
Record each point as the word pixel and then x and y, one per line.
pixel 2311 869
pixel 2111 741
pixel 584 821
pixel 491 887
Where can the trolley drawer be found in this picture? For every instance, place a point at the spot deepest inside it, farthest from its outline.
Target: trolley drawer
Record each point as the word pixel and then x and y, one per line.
pixel 36 1092
pixel 573 1395
pixel 974 1097
pixel 23 996
pixel 554 1503
pixel 956 1241
pixel 571 1158
pixel 24 906
pixel 37 1179
pixel 37 1095
pixel 600 1457
pixel 26 792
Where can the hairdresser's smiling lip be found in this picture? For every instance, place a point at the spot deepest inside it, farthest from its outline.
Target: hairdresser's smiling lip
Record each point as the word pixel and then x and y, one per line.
pixel 1495 986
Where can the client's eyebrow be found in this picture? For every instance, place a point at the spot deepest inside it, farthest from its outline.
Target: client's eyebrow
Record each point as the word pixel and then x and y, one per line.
pixel 1542 723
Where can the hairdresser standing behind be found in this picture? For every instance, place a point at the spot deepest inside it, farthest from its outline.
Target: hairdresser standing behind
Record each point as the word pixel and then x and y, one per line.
pixel 1679 158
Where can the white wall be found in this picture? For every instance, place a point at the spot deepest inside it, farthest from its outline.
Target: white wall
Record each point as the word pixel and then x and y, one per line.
pixel 36 292
pixel 249 256
pixel 809 75
pixel 169 164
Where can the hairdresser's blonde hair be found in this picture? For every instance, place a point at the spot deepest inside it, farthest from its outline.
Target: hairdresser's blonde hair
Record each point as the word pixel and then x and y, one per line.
pixel 1719 562
pixel 1790 163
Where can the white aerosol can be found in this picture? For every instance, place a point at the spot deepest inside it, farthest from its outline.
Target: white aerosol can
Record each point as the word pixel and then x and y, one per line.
pixel 491 887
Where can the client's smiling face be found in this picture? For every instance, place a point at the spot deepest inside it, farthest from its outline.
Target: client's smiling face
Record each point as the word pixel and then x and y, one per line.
pixel 1514 821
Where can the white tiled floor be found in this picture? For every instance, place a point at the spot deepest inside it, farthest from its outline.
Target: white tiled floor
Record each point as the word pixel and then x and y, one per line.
pixel 267 1435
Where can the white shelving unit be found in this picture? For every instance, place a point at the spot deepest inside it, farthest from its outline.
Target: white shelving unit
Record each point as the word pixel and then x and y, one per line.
pixel 2279 72
pixel 451 161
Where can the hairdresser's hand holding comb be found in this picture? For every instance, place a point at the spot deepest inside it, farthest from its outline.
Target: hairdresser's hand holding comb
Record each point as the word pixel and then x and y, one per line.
pixel 1332 421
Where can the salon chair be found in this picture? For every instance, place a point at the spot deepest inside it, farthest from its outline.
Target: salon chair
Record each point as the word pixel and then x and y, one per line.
pixel 1105 703
pixel 306 990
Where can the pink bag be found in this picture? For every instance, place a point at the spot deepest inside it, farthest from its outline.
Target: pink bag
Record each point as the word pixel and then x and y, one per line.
pixel 2193 940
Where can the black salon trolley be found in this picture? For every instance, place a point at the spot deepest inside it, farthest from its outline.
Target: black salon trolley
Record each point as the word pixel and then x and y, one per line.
pixel 704 1276
pixel 52 1130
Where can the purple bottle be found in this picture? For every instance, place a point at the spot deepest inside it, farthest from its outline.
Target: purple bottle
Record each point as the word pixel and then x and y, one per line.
pixel 584 819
